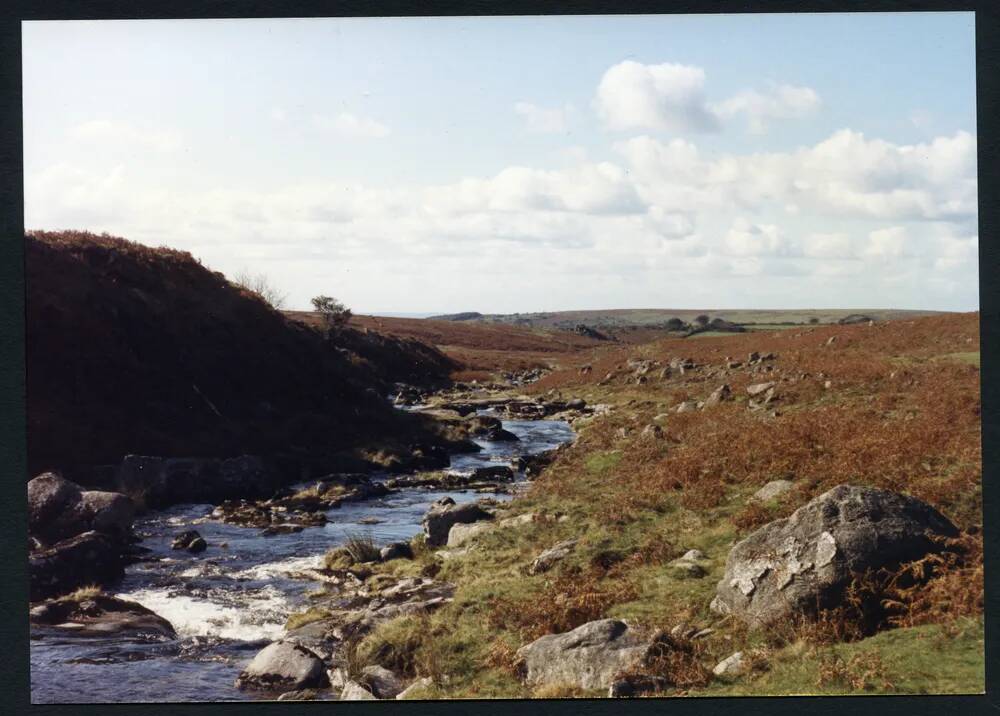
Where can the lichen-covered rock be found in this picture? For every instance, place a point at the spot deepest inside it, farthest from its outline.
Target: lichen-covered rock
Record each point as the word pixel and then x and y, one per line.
pixel 381 681
pixel 804 562
pixel 547 559
pixel 462 533
pixel 444 513
pixel 283 666
pixel 732 665
pixel 771 490
pixel 353 691
pixel 591 656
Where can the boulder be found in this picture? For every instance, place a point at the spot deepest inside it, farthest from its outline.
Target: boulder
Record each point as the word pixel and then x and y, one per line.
pixel 634 685
pixel 501 435
pixel 771 490
pixel 50 499
pixel 383 683
pixel 805 561
pixel 353 691
pixel 759 388
pixel 444 513
pixel 283 666
pixel 547 559
pixel 459 534
pixel 101 615
pixel 498 473
pixel 191 541
pixel 396 550
pixel 652 432
pixel 59 509
pixel 576 404
pixel 108 512
pixel 588 657
pixel 732 665
pixel 415 689
pixel 82 560
pixel 723 392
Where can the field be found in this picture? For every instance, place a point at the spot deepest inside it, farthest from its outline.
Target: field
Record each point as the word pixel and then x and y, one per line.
pixel 895 405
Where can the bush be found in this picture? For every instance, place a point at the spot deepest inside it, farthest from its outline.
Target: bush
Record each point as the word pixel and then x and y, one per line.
pixel 335 314
pixel 261 286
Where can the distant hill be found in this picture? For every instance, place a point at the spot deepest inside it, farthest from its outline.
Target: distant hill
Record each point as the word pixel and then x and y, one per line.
pixel 623 318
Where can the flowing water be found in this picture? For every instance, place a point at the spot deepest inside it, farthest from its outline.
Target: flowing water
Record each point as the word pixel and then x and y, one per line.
pixel 233 599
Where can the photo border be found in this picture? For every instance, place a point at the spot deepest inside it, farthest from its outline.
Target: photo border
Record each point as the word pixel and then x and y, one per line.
pixel 14 633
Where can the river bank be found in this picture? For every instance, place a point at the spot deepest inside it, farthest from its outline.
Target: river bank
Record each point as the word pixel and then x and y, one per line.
pixel 230 600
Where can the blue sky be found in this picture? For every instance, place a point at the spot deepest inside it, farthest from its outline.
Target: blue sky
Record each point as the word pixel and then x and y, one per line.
pixel 532 163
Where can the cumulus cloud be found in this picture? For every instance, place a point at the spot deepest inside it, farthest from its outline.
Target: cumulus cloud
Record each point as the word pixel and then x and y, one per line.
pixel 666 215
pixel 779 101
pixel 748 239
pixel 123 134
pixel 544 119
pixel 846 174
pixel 669 96
pixel 349 125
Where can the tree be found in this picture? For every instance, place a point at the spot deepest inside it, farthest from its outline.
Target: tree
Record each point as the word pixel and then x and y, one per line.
pixel 675 324
pixel 261 286
pixel 701 320
pixel 814 320
pixel 335 314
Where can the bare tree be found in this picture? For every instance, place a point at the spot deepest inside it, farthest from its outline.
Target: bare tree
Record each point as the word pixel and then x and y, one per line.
pixel 261 285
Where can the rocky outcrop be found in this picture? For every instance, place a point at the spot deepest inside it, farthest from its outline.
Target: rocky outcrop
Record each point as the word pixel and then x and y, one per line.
pixel 100 615
pixel 283 666
pixel 167 481
pixel 58 509
pixel 804 562
pixel 382 682
pixel 588 657
pixel 82 560
pixel 444 513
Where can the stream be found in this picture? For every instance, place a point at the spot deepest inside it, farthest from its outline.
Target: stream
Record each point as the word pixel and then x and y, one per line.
pixel 230 601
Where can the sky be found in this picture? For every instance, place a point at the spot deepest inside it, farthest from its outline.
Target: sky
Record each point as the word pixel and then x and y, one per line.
pixel 527 163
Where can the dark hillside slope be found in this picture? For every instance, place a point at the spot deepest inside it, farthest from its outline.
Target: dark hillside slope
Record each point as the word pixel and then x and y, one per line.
pixel 131 349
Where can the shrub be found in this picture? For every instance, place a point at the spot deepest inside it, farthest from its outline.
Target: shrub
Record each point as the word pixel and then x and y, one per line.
pixel 261 286
pixel 334 313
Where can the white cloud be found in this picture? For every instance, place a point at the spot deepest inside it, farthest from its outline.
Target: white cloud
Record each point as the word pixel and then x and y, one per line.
pixel 843 175
pixel 349 125
pixel 127 136
pixel 544 119
pixel 828 246
pixel 779 101
pixel 668 96
pixel 886 244
pixel 748 239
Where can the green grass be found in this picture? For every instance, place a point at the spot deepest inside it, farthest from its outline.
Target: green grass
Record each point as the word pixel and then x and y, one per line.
pixel 970 357
pixel 917 660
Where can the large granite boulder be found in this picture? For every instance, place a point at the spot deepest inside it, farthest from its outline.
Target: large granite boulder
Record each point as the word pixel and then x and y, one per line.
pixel 58 509
pixel 804 562
pixel 92 614
pixel 444 513
pixel 284 666
pixel 588 657
pixel 82 560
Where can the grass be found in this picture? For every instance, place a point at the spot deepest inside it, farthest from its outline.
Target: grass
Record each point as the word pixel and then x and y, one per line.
pixel 636 504
pixel 362 547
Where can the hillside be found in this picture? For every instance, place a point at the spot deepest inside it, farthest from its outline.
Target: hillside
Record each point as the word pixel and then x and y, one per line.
pixel 131 349
pixel 477 348
pixel 666 470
